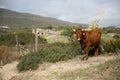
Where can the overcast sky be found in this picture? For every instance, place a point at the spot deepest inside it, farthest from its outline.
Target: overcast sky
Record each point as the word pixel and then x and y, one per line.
pixel 76 11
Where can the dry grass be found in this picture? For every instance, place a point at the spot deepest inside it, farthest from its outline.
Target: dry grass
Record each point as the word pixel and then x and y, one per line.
pixel 96 68
pixel 110 70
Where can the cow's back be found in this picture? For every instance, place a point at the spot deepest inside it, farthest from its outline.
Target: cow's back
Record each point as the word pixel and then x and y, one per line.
pixel 93 36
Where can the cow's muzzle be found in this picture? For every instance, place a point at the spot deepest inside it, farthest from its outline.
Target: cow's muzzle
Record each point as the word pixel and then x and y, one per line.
pixel 79 39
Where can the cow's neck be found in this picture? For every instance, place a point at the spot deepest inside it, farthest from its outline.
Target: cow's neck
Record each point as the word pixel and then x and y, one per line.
pixel 83 40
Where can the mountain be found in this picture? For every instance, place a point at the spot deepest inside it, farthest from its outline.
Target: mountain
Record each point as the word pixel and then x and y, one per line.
pixel 15 19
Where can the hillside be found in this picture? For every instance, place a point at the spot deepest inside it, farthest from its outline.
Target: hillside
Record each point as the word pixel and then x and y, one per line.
pixel 15 19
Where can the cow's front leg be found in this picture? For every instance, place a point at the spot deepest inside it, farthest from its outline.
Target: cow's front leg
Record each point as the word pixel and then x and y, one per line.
pixel 87 51
pixel 83 53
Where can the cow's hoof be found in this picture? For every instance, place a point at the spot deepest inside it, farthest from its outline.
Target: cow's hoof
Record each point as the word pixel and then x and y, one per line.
pixel 0 67
pixel 86 58
pixel 82 58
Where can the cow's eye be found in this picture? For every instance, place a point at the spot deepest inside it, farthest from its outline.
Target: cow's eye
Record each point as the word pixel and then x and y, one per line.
pixel 83 34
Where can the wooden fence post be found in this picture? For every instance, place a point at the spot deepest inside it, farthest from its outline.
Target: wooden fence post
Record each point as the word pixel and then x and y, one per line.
pixel 36 40
pixel 17 43
pixel 57 37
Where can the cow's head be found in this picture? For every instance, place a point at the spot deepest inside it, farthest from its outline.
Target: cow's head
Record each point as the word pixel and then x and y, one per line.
pixel 78 34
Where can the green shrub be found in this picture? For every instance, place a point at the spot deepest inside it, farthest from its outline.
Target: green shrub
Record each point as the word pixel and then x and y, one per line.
pixel 7 39
pixel 67 32
pixel 50 53
pixel 29 62
pixel 28 38
pixel 107 46
pixel 111 46
pixel 117 43
pixel 23 38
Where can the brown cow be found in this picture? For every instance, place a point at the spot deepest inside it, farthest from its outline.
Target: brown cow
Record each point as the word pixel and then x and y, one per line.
pixel 3 54
pixel 88 39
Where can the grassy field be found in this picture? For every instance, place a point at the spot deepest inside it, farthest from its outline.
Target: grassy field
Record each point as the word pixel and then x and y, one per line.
pixel 64 39
pixel 106 37
pixel 53 39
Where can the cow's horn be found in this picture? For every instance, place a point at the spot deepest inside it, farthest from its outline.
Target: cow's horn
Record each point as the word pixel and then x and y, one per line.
pixel 83 29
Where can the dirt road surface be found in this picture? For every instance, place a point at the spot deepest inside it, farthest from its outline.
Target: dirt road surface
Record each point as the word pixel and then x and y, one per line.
pixel 50 71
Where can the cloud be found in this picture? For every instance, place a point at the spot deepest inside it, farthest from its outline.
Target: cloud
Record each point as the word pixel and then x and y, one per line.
pixel 1 6
pixel 12 3
pixel 77 11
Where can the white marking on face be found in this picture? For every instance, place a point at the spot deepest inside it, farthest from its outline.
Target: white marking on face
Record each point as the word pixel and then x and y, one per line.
pixel 79 39
pixel 83 33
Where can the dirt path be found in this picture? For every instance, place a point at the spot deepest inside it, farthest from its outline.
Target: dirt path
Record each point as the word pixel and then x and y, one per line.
pixel 50 71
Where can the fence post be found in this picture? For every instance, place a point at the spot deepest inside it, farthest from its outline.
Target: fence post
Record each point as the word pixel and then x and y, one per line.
pixel 57 37
pixel 17 43
pixel 36 40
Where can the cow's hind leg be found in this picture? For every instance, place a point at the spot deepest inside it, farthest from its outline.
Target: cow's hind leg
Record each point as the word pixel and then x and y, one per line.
pixel 96 50
pixel 1 62
pixel 87 51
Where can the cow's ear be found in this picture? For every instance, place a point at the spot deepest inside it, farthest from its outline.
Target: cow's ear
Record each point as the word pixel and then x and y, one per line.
pixel 83 34
pixel 74 30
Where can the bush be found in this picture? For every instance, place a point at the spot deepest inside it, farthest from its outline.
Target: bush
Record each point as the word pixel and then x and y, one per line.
pixel 50 53
pixel 116 36
pixel 117 43
pixel 67 32
pixel 7 39
pixel 23 38
pixel 27 38
pixel 29 62
pixel 111 46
